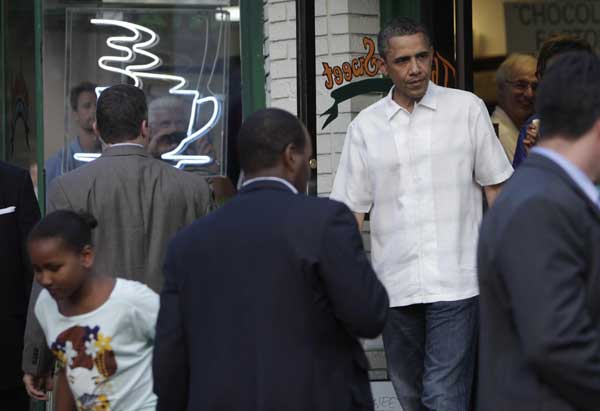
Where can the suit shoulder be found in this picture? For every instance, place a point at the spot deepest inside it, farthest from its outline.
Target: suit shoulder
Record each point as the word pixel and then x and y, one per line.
pixel 176 175
pixel 321 207
pixel 79 174
pixel 11 171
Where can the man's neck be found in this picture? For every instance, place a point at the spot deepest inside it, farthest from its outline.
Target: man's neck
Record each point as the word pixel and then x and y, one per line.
pixel 405 102
pixel 576 152
pixel 138 140
pixel 271 172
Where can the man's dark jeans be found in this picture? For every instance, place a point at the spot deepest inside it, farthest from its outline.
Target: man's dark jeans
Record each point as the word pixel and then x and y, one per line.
pixel 431 351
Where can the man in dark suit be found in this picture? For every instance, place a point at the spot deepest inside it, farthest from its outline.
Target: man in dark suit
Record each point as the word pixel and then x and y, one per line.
pixel 265 298
pixel 18 213
pixel 140 203
pixel 539 258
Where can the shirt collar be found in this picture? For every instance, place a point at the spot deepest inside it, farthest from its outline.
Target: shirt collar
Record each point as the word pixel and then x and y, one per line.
pixel 578 176
pixel 429 100
pixel 125 144
pixel 279 180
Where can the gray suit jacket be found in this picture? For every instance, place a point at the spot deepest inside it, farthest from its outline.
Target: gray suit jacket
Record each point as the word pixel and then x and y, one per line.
pixel 539 283
pixel 140 204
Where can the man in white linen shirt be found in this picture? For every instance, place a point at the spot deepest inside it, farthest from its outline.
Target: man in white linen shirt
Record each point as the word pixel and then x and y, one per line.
pixel 417 160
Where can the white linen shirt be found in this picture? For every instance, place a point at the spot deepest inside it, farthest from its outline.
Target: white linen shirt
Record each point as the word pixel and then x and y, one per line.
pixel 420 175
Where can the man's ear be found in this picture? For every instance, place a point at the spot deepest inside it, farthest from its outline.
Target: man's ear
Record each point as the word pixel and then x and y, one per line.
pixel 288 157
pixel 292 158
pixel 97 133
pixel 382 65
pixel 144 131
pixel 87 256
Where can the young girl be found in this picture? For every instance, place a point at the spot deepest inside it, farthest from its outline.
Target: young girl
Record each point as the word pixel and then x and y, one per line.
pixel 100 329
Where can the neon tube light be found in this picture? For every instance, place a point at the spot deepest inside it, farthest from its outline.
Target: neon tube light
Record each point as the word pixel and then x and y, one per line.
pixel 139 71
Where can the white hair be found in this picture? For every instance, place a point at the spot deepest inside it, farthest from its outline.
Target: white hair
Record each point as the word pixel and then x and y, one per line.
pixel 505 71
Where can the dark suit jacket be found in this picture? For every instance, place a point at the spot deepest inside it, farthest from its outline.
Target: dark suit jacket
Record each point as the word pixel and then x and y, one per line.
pixel 539 277
pixel 140 203
pixel 16 191
pixel 262 306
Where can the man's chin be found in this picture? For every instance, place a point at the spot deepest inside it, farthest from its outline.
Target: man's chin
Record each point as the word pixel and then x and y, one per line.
pixel 418 95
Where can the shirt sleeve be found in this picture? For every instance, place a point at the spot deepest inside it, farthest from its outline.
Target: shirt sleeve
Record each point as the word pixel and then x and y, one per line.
pixel 145 310
pixel 40 308
pixel 351 185
pixel 491 164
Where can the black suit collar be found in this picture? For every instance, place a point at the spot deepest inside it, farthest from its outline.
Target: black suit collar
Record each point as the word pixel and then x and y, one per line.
pixel 540 161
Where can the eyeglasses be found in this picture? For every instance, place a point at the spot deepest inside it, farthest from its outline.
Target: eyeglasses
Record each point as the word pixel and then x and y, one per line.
pixel 523 85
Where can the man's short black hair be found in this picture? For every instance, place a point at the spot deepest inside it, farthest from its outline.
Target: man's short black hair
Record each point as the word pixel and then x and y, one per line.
pixel 120 111
pixel 265 135
pixel 560 44
pixel 568 99
pixel 400 26
pixel 83 87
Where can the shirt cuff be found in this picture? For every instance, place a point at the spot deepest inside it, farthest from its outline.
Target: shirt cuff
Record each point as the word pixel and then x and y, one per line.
pixel 496 179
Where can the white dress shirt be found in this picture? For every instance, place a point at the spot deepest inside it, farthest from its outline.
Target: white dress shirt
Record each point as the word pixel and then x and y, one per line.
pixel 420 175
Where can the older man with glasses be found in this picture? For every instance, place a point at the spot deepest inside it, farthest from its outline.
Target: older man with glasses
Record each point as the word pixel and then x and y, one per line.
pixel 549 52
pixel 515 85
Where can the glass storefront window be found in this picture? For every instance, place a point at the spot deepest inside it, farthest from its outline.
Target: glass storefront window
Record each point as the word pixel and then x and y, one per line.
pixel 178 57
pixel 184 57
pixel 501 28
pixel 18 133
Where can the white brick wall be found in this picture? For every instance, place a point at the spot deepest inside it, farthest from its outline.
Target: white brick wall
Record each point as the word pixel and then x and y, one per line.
pixel 340 26
pixel 346 22
pixel 280 54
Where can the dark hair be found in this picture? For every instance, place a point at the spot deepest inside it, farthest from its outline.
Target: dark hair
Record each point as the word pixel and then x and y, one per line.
pixel 400 26
pixel 75 229
pixel 120 112
pixel 568 99
pixel 83 87
pixel 265 135
pixel 560 44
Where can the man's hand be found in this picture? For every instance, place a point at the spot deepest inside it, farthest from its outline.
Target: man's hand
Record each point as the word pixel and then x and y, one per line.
pixel 164 140
pixel 531 135
pixel 360 219
pixel 37 386
pixel 491 192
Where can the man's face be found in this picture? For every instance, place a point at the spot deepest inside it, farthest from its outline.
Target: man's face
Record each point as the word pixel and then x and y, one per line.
pixel 166 125
pixel 408 64
pixel 517 95
pixel 85 114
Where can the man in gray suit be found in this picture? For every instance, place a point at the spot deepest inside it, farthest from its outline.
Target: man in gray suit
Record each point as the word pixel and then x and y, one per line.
pixel 139 202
